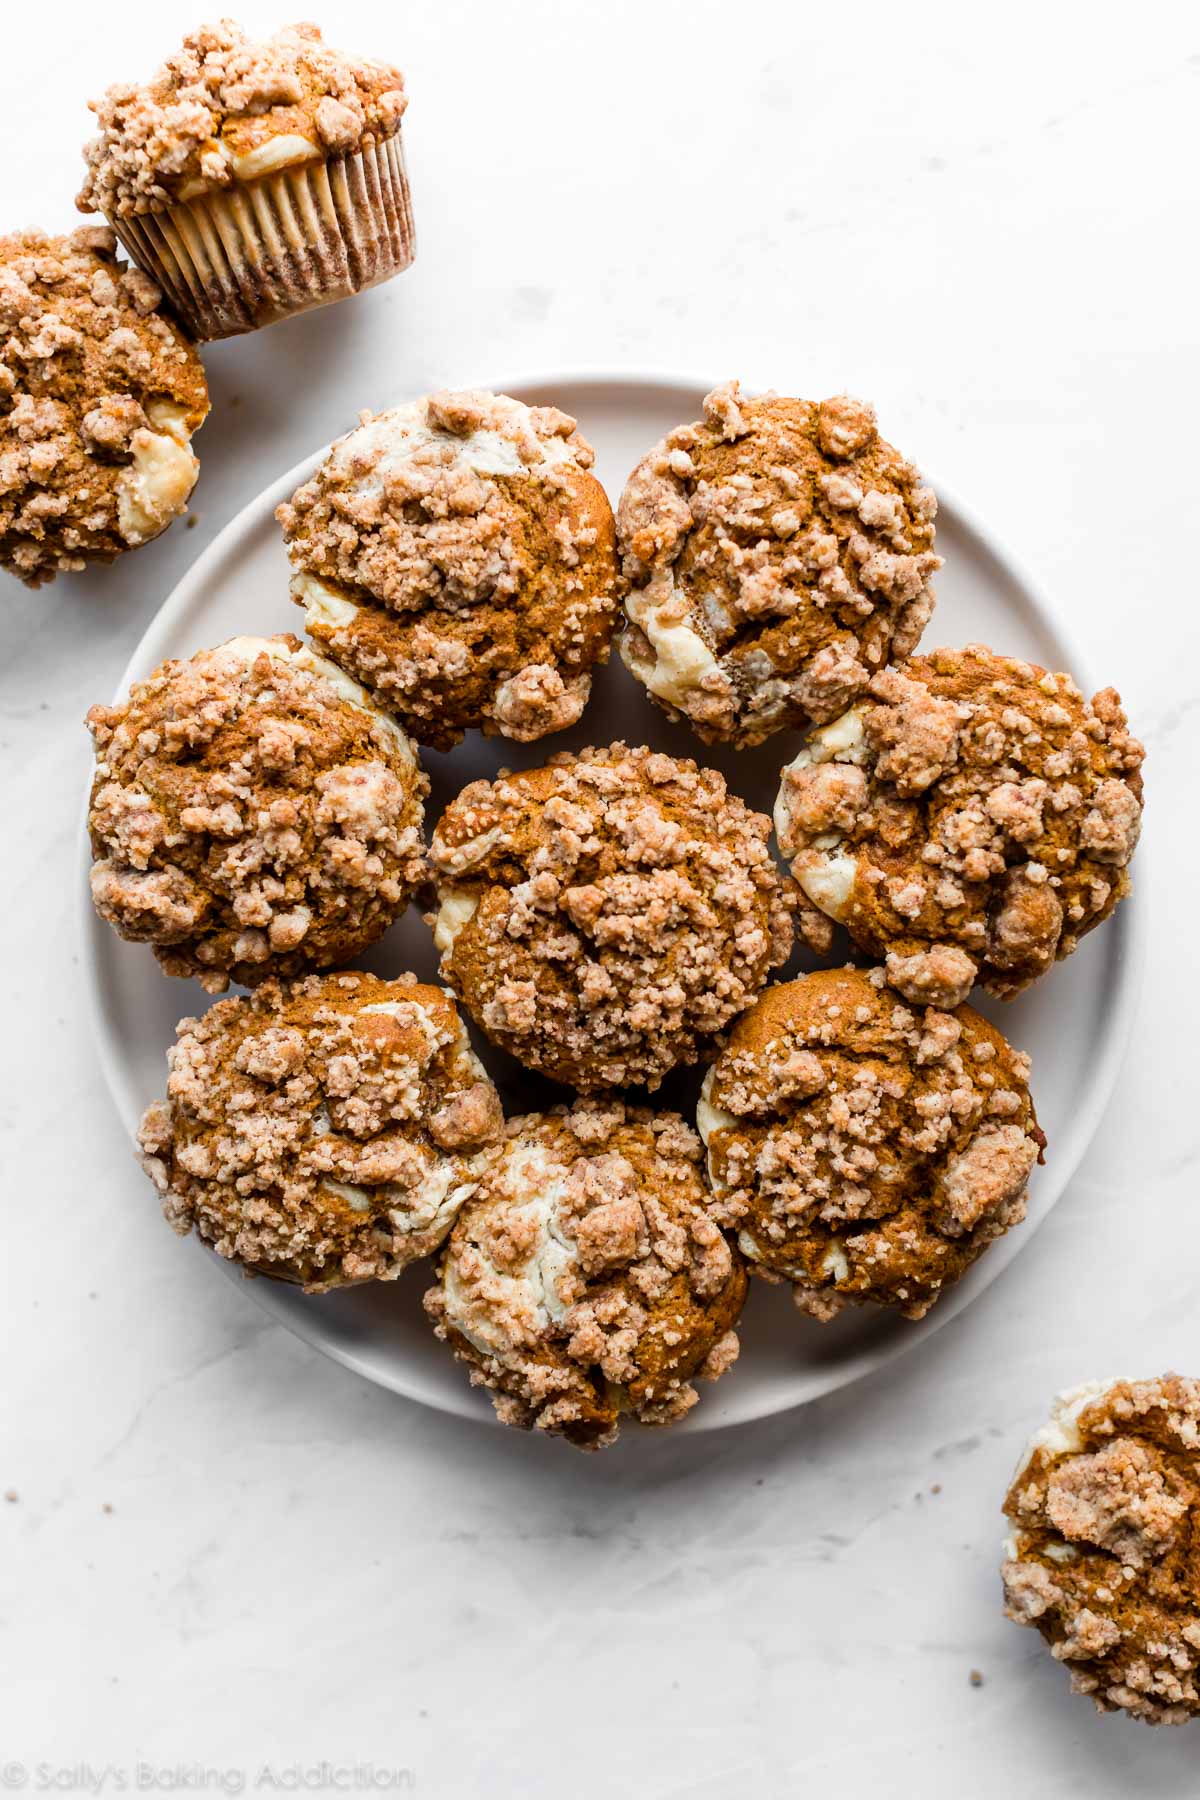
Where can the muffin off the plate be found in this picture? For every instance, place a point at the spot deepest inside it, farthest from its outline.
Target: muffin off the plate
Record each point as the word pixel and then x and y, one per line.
pixel 255 179
pixel 99 398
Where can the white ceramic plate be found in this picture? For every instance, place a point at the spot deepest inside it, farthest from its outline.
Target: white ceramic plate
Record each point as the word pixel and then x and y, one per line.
pixel 1073 1024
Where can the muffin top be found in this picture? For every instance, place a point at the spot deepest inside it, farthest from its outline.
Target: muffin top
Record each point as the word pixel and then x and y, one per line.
pixel 227 108
pixel 457 556
pixel 778 553
pixel 603 916
pixel 323 1131
pixel 969 820
pixel 1102 1559
pixel 586 1279
pixel 253 813
pixel 864 1150
pixel 99 396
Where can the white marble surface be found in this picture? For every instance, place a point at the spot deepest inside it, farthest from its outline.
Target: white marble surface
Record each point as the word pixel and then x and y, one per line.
pixel 226 1553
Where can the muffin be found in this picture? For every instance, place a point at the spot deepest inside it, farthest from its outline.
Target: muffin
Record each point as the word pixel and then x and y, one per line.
pixel 604 916
pixel 324 1131
pixel 1105 1510
pixel 586 1279
pixel 255 179
pixel 253 813
pixel 778 553
pixel 457 556
pixel 865 1151
pixel 99 397
pixel 968 820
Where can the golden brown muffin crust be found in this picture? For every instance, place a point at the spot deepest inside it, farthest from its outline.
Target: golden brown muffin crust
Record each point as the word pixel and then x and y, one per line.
pixel 604 916
pixel 778 553
pixel 457 556
pixel 99 396
pixel 866 1151
pixel 253 814
pixel 1104 1558
pixel 324 1131
pixel 220 99
pixel 970 820
pixel 586 1279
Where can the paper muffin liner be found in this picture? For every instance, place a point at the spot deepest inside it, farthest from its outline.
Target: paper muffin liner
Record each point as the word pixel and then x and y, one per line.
pixel 243 256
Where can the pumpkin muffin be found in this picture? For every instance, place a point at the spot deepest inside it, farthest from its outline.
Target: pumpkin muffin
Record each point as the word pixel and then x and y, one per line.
pixel 585 1279
pixel 604 916
pixel 253 813
pixel 99 397
pixel 255 178
pixel 866 1151
pixel 323 1131
pixel 457 556
pixel 1105 1547
pixel 969 820
pixel 778 553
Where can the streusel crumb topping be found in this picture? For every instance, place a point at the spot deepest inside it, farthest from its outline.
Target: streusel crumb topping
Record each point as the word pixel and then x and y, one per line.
pixel 586 1279
pixel 969 820
pixel 1105 1548
pixel 604 916
pixel 778 553
pixel 325 1131
pixel 253 813
pixel 457 556
pixel 227 107
pixel 99 397
pixel 866 1150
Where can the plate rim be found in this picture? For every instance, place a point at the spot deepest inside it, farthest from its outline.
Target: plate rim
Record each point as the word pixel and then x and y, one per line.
pixel 1128 929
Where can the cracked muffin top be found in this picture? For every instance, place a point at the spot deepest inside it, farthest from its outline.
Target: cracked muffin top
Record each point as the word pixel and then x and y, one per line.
pixel 1104 1556
pixel 323 1131
pixel 778 553
pixel 99 397
pixel 253 813
pixel 586 1279
pixel 603 916
pixel 227 107
pixel 968 820
pixel 457 556
pixel 864 1150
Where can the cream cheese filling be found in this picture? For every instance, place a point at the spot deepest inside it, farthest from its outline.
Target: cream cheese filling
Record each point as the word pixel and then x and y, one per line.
pixel 825 870
pixel 391 439
pixel 457 909
pixel 682 660
pixel 154 488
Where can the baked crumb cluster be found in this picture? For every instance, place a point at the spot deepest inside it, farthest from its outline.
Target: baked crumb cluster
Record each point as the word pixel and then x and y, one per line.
pixel 586 1279
pixel 99 397
pixel 969 820
pixel 865 1150
pixel 457 556
pixel 1106 1535
pixel 226 107
pixel 604 916
pixel 779 552
pixel 253 814
pixel 324 1131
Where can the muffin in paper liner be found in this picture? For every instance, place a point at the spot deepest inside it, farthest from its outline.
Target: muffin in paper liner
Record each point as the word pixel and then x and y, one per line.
pixel 253 178
pixel 244 256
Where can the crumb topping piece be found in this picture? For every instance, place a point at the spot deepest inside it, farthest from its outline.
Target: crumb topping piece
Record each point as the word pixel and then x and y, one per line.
pixel 457 556
pixel 865 1150
pixel 778 552
pixel 970 819
pixel 253 813
pixel 586 1279
pixel 1104 1550
pixel 99 397
pixel 324 1131
pixel 227 107
pixel 604 916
